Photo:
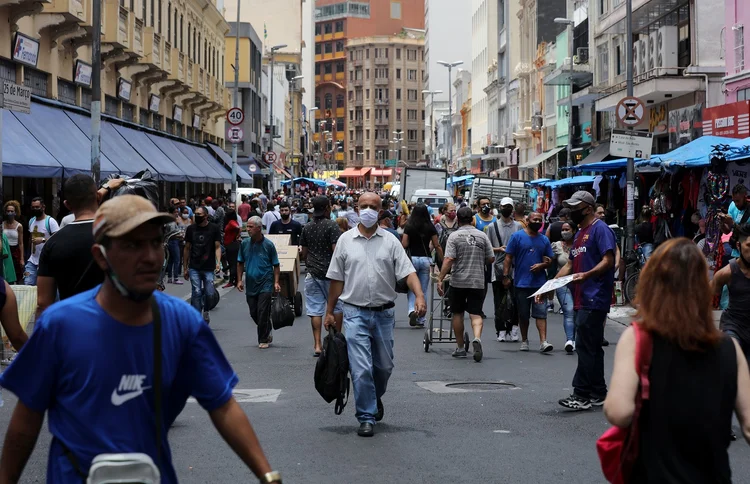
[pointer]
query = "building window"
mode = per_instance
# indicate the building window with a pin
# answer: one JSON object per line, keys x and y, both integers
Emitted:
{"x": 157, "y": 121}
{"x": 339, "y": 26}
{"x": 412, "y": 155}
{"x": 398, "y": 54}
{"x": 739, "y": 48}
{"x": 398, "y": 94}
{"x": 396, "y": 10}
{"x": 66, "y": 91}
{"x": 411, "y": 54}
{"x": 500, "y": 15}
{"x": 340, "y": 124}
{"x": 328, "y": 28}
{"x": 340, "y": 66}
{"x": 36, "y": 81}
{"x": 603, "y": 4}
{"x": 411, "y": 114}
{"x": 412, "y": 94}
{"x": 398, "y": 115}
{"x": 412, "y": 134}
{"x": 127, "y": 111}
{"x": 317, "y": 29}
{"x": 328, "y": 68}
{"x": 743, "y": 94}
{"x": 411, "y": 74}
{"x": 340, "y": 46}
{"x": 398, "y": 74}
{"x": 317, "y": 68}
{"x": 367, "y": 94}
{"x": 151, "y": 19}
{"x": 367, "y": 74}
{"x": 110, "y": 105}
{"x": 86, "y": 98}
{"x": 329, "y": 101}
{"x": 367, "y": 53}
{"x": 318, "y": 49}
{"x": 329, "y": 47}
{"x": 317, "y": 102}
{"x": 340, "y": 100}
{"x": 159, "y": 17}
{"x": 602, "y": 54}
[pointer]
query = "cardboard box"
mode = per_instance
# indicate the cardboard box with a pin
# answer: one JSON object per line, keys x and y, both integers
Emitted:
{"x": 289, "y": 277}
{"x": 280, "y": 240}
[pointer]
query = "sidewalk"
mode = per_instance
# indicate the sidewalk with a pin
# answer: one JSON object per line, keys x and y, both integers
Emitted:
{"x": 624, "y": 315}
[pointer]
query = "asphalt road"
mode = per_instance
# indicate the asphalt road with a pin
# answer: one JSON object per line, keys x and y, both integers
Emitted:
{"x": 430, "y": 434}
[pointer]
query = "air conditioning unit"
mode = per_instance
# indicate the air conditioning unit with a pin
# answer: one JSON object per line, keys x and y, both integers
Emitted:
{"x": 642, "y": 56}
{"x": 582, "y": 56}
{"x": 536, "y": 122}
{"x": 651, "y": 53}
{"x": 636, "y": 59}
{"x": 666, "y": 40}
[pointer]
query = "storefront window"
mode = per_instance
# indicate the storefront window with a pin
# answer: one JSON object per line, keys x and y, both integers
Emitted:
{"x": 36, "y": 81}
{"x": 110, "y": 106}
{"x": 127, "y": 111}
{"x": 66, "y": 91}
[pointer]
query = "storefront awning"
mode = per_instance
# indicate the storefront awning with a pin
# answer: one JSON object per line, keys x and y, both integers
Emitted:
{"x": 694, "y": 154}
{"x": 215, "y": 172}
{"x": 193, "y": 172}
{"x": 382, "y": 173}
{"x": 541, "y": 158}
{"x": 162, "y": 165}
{"x": 572, "y": 181}
{"x": 23, "y": 155}
{"x": 350, "y": 173}
{"x": 539, "y": 181}
{"x": 113, "y": 146}
{"x": 63, "y": 139}
{"x": 597, "y": 154}
{"x": 226, "y": 162}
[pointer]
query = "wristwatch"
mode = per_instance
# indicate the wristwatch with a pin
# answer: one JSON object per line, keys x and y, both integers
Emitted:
{"x": 271, "y": 477}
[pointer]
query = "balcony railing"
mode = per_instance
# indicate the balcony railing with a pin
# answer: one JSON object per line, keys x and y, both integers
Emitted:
{"x": 138, "y": 37}
{"x": 381, "y": 102}
{"x": 190, "y": 73}
{"x": 181, "y": 67}
{"x": 381, "y": 81}
{"x": 168, "y": 57}
{"x": 381, "y": 61}
{"x": 381, "y": 121}
{"x": 117, "y": 25}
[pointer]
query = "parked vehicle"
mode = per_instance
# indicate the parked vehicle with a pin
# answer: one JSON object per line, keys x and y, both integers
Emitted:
{"x": 432, "y": 198}
{"x": 498, "y": 188}
{"x": 413, "y": 179}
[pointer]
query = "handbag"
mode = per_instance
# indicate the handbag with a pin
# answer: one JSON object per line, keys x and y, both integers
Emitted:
{"x": 618, "y": 447}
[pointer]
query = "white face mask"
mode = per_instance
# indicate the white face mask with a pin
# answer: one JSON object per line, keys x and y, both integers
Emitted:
{"x": 186, "y": 216}
{"x": 368, "y": 217}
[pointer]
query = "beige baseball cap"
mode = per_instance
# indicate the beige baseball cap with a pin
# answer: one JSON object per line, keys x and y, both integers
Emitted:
{"x": 121, "y": 215}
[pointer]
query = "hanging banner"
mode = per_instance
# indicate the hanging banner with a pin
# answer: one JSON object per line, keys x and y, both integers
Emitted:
{"x": 731, "y": 120}
{"x": 685, "y": 125}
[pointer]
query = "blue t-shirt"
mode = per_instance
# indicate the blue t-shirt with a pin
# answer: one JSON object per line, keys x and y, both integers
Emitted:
{"x": 481, "y": 224}
{"x": 589, "y": 248}
{"x": 94, "y": 376}
{"x": 736, "y": 215}
{"x": 259, "y": 259}
{"x": 527, "y": 251}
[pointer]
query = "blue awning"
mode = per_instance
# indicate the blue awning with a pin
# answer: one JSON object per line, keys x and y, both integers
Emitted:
{"x": 113, "y": 146}
{"x": 691, "y": 155}
{"x": 164, "y": 168}
{"x": 227, "y": 161}
{"x": 460, "y": 179}
{"x": 739, "y": 149}
{"x": 23, "y": 155}
{"x": 618, "y": 164}
{"x": 320, "y": 183}
{"x": 572, "y": 181}
{"x": 63, "y": 139}
{"x": 194, "y": 172}
{"x": 539, "y": 181}
{"x": 216, "y": 173}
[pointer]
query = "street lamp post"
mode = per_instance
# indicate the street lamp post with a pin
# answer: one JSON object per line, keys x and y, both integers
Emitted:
{"x": 432, "y": 122}
{"x": 236, "y": 97}
{"x": 569, "y": 24}
{"x": 292, "y": 90}
{"x": 311, "y": 115}
{"x": 272, "y": 135}
{"x": 450, "y": 66}
{"x": 630, "y": 174}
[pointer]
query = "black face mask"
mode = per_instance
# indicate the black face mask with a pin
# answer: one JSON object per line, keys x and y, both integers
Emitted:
{"x": 535, "y": 226}
{"x": 36, "y": 212}
{"x": 285, "y": 216}
{"x": 506, "y": 212}
{"x": 577, "y": 217}
{"x": 199, "y": 219}
{"x": 485, "y": 209}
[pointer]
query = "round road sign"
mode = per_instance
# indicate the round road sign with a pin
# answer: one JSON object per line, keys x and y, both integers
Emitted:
{"x": 271, "y": 156}
{"x": 235, "y": 134}
{"x": 252, "y": 168}
{"x": 630, "y": 111}
{"x": 235, "y": 116}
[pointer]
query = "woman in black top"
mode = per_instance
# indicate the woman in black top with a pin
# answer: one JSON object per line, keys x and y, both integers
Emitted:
{"x": 419, "y": 233}
{"x": 698, "y": 377}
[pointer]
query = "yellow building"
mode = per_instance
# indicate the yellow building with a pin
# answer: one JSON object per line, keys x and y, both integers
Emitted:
{"x": 162, "y": 68}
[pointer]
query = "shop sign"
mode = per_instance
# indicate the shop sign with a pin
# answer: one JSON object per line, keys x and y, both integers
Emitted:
{"x": 25, "y": 50}
{"x": 177, "y": 113}
{"x": 123, "y": 89}
{"x": 586, "y": 132}
{"x": 729, "y": 120}
{"x": 630, "y": 144}
{"x": 82, "y": 74}
{"x": 153, "y": 103}
{"x": 657, "y": 119}
{"x": 685, "y": 125}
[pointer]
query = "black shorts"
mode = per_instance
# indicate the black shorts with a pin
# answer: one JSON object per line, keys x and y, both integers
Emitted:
{"x": 466, "y": 300}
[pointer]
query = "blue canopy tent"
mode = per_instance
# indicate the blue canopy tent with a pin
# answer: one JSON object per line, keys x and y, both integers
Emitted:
{"x": 572, "y": 181}
{"x": 465, "y": 179}
{"x": 320, "y": 183}
{"x": 602, "y": 166}
{"x": 539, "y": 181}
{"x": 739, "y": 149}
{"x": 691, "y": 155}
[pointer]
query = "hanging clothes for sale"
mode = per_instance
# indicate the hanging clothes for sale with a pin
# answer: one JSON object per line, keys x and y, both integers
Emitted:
{"x": 717, "y": 197}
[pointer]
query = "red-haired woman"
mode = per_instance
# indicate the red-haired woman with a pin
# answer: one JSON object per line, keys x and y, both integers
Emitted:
{"x": 698, "y": 376}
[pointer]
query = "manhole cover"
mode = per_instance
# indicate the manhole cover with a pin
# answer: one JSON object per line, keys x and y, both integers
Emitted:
{"x": 482, "y": 386}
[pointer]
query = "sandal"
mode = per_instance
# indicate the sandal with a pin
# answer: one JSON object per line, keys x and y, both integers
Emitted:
{"x": 263, "y": 346}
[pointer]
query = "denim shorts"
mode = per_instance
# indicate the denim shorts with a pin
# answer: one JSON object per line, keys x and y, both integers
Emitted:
{"x": 528, "y": 308}
{"x": 316, "y": 297}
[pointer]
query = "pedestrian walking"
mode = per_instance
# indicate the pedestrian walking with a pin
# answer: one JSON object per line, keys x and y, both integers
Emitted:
{"x": 318, "y": 243}
{"x": 13, "y": 230}
{"x": 231, "y": 244}
{"x": 364, "y": 269}
{"x": 244, "y": 209}
{"x": 286, "y": 225}
{"x": 270, "y": 216}
{"x": 506, "y": 310}
{"x": 419, "y": 234}
{"x": 520, "y": 213}
{"x": 529, "y": 253}
{"x": 41, "y": 228}
{"x": 259, "y": 262}
{"x": 467, "y": 254}
{"x": 89, "y": 363}
{"x": 591, "y": 262}
{"x": 202, "y": 256}
{"x": 562, "y": 249}
{"x": 696, "y": 377}
{"x": 385, "y": 221}
{"x": 484, "y": 216}
{"x": 174, "y": 264}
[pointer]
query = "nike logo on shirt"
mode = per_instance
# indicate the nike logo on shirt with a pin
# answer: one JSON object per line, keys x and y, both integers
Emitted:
{"x": 131, "y": 386}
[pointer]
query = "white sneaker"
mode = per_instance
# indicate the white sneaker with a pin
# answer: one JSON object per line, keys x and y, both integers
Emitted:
{"x": 515, "y": 334}
{"x": 501, "y": 337}
{"x": 524, "y": 346}
{"x": 545, "y": 347}
{"x": 569, "y": 347}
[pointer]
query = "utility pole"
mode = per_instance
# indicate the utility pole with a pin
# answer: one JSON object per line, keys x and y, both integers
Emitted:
{"x": 630, "y": 233}
{"x": 96, "y": 90}
{"x": 236, "y": 101}
{"x": 272, "y": 135}
{"x": 432, "y": 124}
{"x": 450, "y": 66}
{"x": 292, "y": 90}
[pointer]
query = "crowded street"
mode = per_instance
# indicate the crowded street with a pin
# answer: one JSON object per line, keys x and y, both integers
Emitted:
{"x": 430, "y": 433}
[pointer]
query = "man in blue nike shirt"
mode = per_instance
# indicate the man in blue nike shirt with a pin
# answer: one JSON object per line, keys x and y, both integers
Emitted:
{"x": 89, "y": 363}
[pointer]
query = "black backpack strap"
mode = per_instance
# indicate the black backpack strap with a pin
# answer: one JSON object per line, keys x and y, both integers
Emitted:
{"x": 497, "y": 232}
{"x": 340, "y": 402}
{"x": 157, "y": 377}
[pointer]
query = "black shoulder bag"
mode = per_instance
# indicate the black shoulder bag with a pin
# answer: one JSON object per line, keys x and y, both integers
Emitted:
{"x": 157, "y": 397}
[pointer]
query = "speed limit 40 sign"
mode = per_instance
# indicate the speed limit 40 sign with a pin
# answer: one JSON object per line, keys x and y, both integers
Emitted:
{"x": 235, "y": 116}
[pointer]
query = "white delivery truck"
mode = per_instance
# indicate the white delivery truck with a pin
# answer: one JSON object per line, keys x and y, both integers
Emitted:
{"x": 432, "y": 198}
{"x": 413, "y": 179}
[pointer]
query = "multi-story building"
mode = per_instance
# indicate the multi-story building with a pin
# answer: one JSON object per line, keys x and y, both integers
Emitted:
{"x": 461, "y": 128}
{"x": 384, "y": 98}
{"x": 675, "y": 75}
{"x": 483, "y": 56}
{"x": 337, "y": 22}
{"x": 441, "y": 16}
{"x": 162, "y": 74}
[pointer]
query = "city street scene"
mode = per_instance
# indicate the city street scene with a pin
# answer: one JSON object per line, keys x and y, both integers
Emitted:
{"x": 374, "y": 241}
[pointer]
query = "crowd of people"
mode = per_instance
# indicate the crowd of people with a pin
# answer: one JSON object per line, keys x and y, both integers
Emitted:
{"x": 360, "y": 250}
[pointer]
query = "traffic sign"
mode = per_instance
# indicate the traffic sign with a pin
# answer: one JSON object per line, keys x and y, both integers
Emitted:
{"x": 310, "y": 164}
{"x": 271, "y": 156}
{"x": 235, "y": 134}
{"x": 252, "y": 168}
{"x": 15, "y": 98}
{"x": 393, "y": 162}
{"x": 235, "y": 116}
{"x": 630, "y": 111}
{"x": 630, "y": 144}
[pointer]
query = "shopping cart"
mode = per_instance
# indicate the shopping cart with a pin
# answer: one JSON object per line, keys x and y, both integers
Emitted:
{"x": 440, "y": 315}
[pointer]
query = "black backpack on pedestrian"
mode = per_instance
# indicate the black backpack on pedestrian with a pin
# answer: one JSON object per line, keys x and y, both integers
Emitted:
{"x": 332, "y": 371}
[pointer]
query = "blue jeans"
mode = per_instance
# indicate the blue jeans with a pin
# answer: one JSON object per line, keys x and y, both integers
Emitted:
{"x": 647, "y": 249}
{"x": 29, "y": 276}
{"x": 202, "y": 283}
{"x": 173, "y": 266}
{"x": 565, "y": 296}
{"x": 422, "y": 266}
{"x": 369, "y": 341}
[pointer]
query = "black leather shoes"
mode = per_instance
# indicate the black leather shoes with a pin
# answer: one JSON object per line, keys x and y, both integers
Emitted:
{"x": 366, "y": 429}
{"x": 381, "y": 411}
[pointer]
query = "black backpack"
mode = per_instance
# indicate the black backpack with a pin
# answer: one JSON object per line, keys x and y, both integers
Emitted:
{"x": 332, "y": 371}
